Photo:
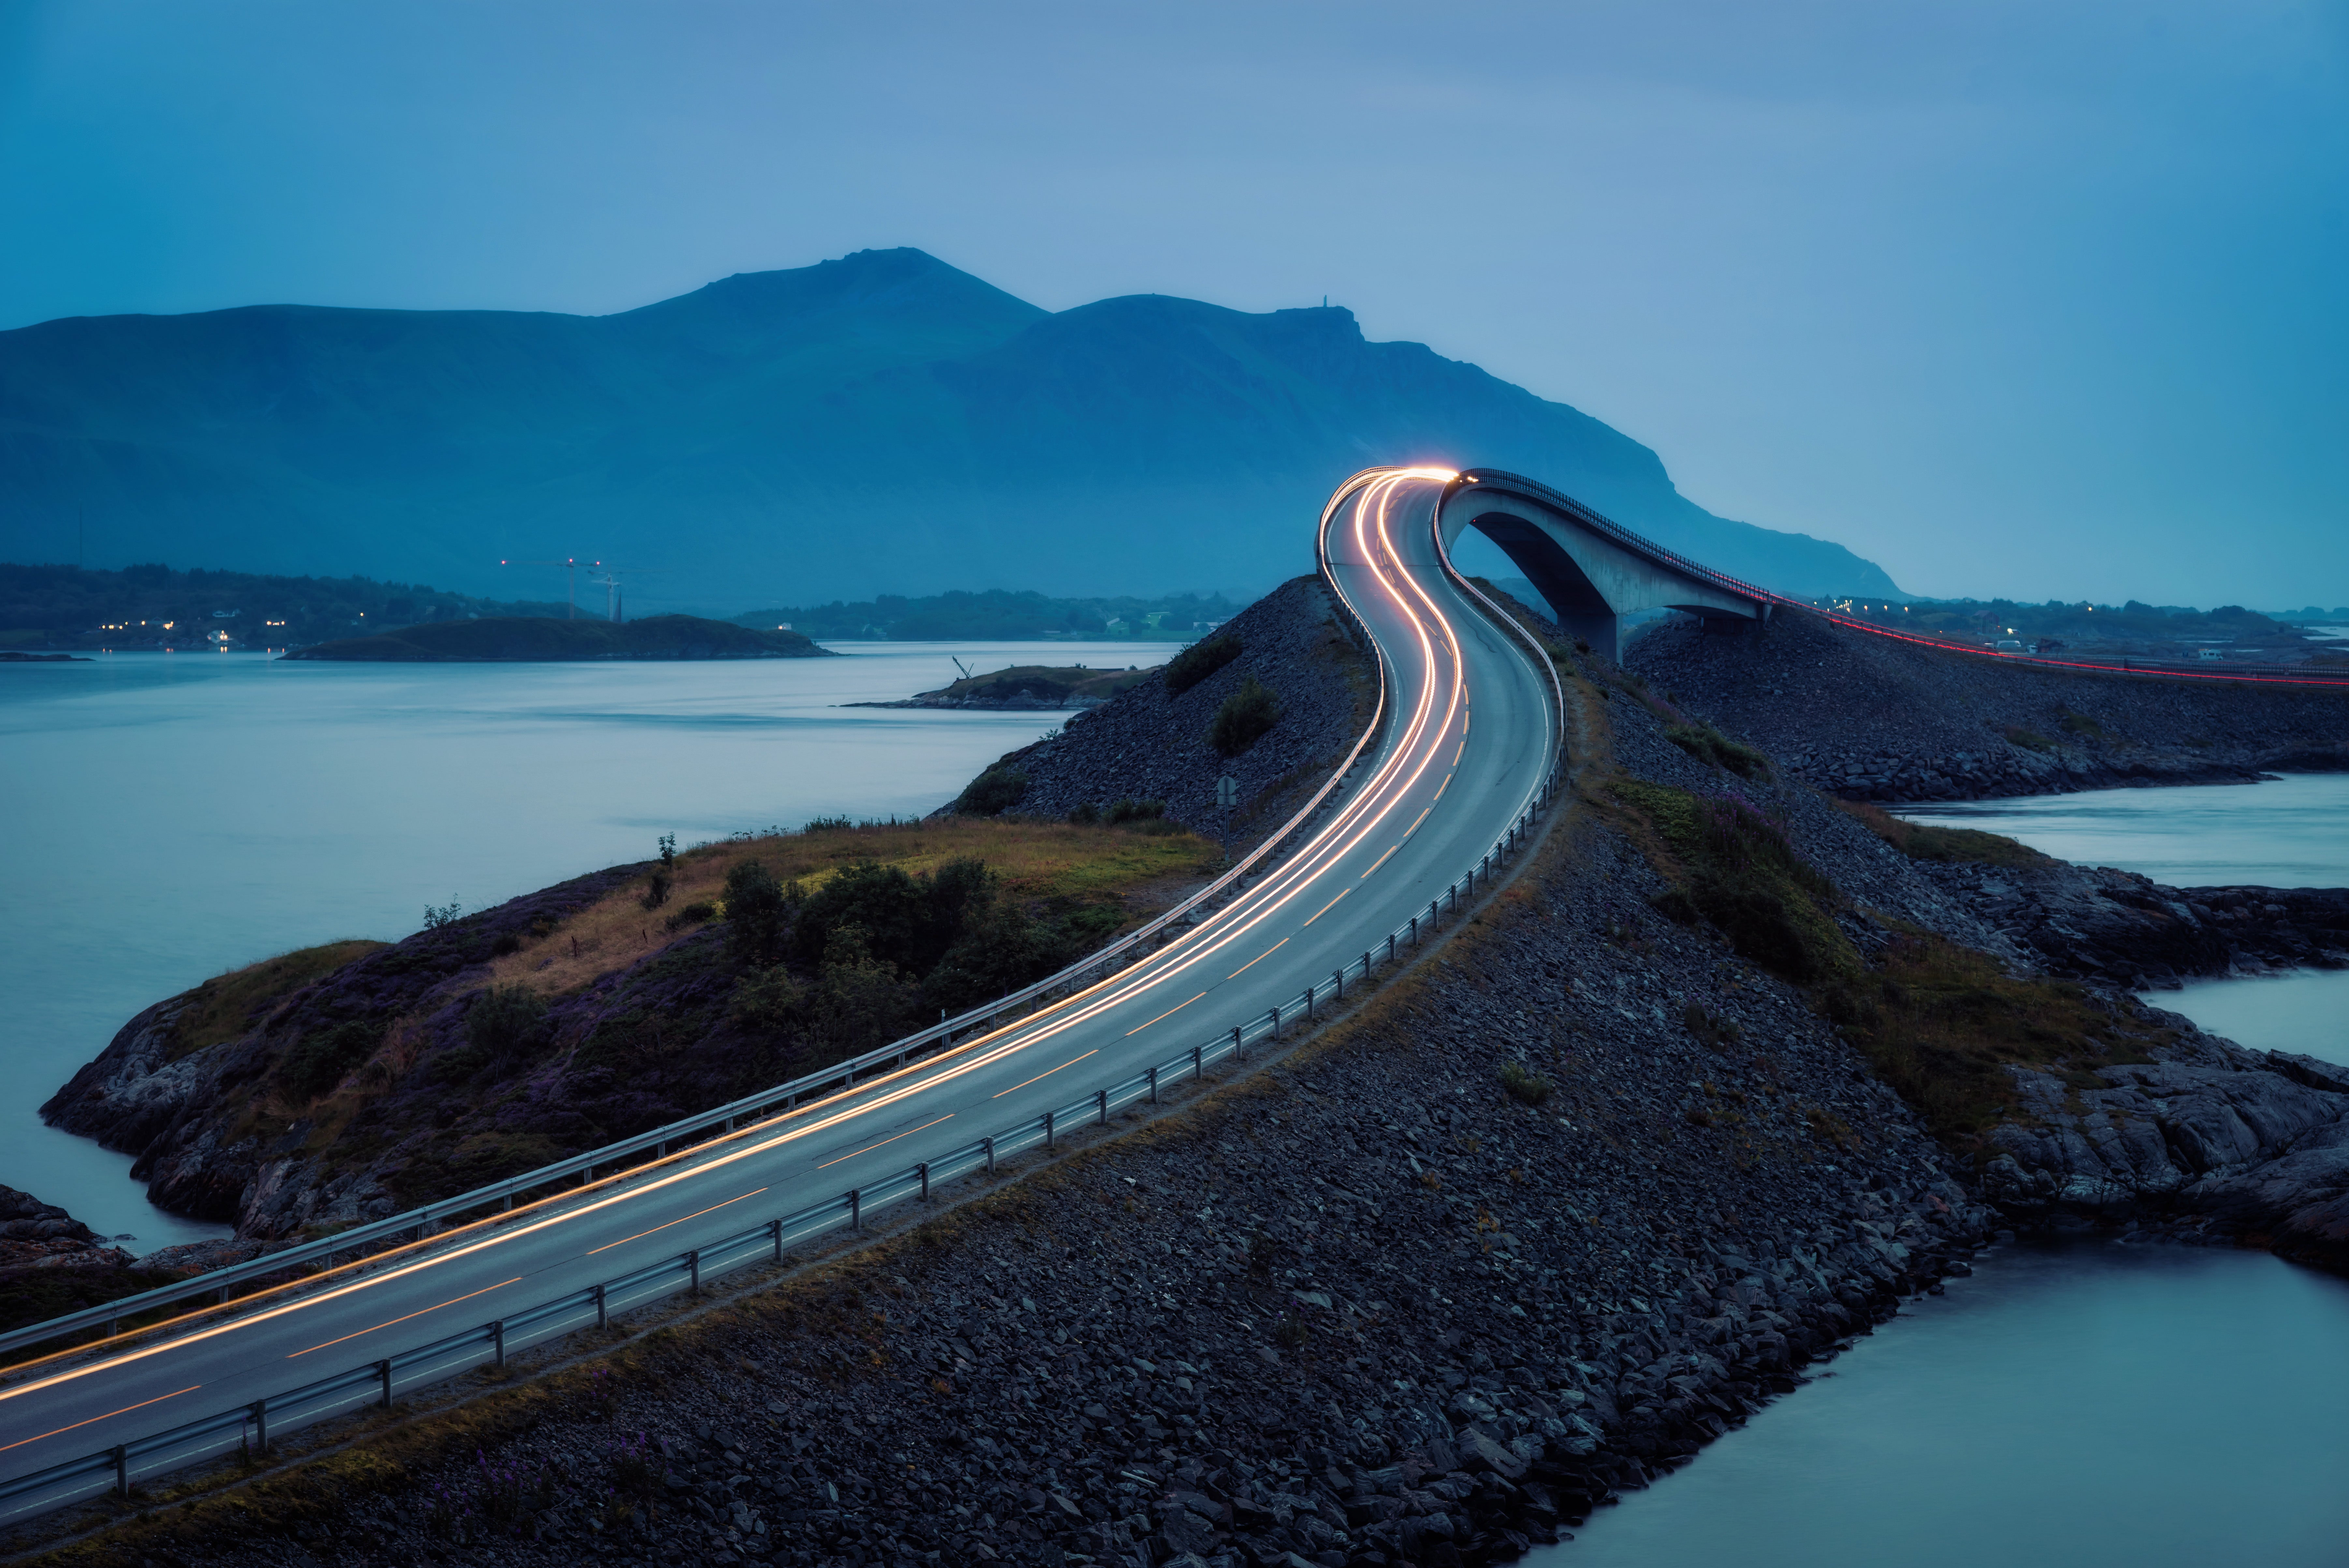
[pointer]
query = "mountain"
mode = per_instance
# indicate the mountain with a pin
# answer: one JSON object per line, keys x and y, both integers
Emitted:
{"x": 879, "y": 423}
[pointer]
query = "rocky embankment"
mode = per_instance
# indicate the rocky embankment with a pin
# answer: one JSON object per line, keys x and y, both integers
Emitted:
{"x": 1025, "y": 688}
{"x": 1151, "y": 743}
{"x": 37, "y": 1235}
{"x": 1873, "y": 718}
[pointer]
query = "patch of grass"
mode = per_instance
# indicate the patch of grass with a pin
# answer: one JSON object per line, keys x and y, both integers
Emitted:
{"x": 1941, "y": 1022}
{"x": 1709, "y": 747}
{"x": 222, "y": 1008}
{"x": 1708, "y": 1029}
{"x": 2082, "y": 725}
{"x": 1735, "y": 867}
{"x": 1200, "y": 660}
{"x": 2029, "y": 740}
{"x": 1523, "y": 1084}
{"x": 1924, "y": 842}
{"x": 1244, "y": 718}
{"x": 319, "y": 1061}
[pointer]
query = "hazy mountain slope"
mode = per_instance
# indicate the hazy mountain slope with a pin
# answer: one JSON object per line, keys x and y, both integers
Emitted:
{"x": 880, "y": 423}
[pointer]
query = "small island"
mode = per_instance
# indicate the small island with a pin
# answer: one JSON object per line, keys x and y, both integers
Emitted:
{"x": 520, "y": 639}
{"x": 1027, "y": 686}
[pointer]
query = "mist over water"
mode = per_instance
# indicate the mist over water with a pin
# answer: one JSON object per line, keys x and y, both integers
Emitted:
{"x": 179, "y": 815}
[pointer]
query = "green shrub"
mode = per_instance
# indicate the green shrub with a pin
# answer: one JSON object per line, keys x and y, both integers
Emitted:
{"x": 1523, "y": 1084}
{"x": 768, "y": 1002}
{"x": 2081, "y": 723}
{"x": 1200, "y": 660}
{"x": 755, "y": 914}
{"x": 318, "y": 1062}
{"x": 993, "y": 793}
{"x": 1709, "y": 747}
{"x": 501, "y": 1020}
{"x": 695, "y": 914}
{"x": 1130, "y": 809}
{"x": 2030, "y": 739}
{"x": 1244, "y": 718}
{"x": 1085, "y": 815}
{"x": 1709, "y": 1029}
{"x": 656, "y": 889}
{"x": 1922, "y": 842}
{"x": 1739, "y": 873}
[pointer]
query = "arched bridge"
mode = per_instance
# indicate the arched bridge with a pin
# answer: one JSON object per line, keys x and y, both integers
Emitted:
{"x": 1592, "y": 572}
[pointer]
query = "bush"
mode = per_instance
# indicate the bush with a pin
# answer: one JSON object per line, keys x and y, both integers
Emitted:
{"x": 993, "y": 793}
{"x": 318, "y": 1062}
{"x": 1739, "y": 873}
{"x": 694, "y": 913}
{"x": 2030, "y": 739}
{"x": 1133, "y": 810}
{"x": 501, "y": 1020}
{"x": 767, "y": 1002}
{"x": 1524, "y": 1085}
{"x": 1710, "y": 1030}
{"x": 1244, "y": 718}
{"x": 1200, "y": 660}
{"x": 1709, "y": 746}
{"x": 755, "y": 914}
{"x": 1085, "y": 815}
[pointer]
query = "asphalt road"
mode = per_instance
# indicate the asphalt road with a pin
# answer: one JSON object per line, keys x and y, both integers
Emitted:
{"x": 1468, "y": 741}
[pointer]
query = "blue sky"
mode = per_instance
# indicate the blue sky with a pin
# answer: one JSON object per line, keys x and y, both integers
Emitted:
{"x": 2044, "y": 300}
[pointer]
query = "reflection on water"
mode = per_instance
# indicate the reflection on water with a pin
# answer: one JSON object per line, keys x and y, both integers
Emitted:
{"x": 177, "y": 815}
{"x": 2291, "y": 831}
{"x": 2094, "y": 1406}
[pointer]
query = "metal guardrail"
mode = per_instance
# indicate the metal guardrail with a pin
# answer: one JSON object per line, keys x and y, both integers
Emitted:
{"x": 417, "y": 1223}
{"x": 376, "y": 1382}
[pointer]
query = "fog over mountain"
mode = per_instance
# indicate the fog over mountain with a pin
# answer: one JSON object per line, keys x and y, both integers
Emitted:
{"x": 879, "y": 423}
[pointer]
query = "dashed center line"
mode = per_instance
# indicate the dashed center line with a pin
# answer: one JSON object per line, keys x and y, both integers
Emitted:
{"x": 1048, "y": 1072}
{"x": 126, "y": 1410}
{"x": 884, "y": 1142}
{"x": 1327, "y": 907}
{"x": 404, "y": 1316}
{"x": 1258, "y": 959}
{"x": 680, "y": 1220}
{"x": 1166, "y": 1014}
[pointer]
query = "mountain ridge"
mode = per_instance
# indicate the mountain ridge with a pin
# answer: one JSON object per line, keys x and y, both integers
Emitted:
{"x": 756, "y": 436}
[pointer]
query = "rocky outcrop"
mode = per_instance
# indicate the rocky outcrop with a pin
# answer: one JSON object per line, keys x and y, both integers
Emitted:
{"x": 37, "y": 1235}
{"x": 2129, "y": 931}
{"x": 1873, "y": 718}
{"x": 2209, "y": 1142}
{"x": 1151, "y": 743}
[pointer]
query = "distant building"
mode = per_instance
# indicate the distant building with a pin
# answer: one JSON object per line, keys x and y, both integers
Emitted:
{"x": 2210, "y": 653}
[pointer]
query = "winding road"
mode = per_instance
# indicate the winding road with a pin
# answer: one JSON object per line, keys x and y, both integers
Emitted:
{"x": 1468, "y": 736}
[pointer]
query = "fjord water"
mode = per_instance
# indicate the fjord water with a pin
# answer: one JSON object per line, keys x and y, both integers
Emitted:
{"x": 177, "y": 815}
{"x": 2291, "y": 831}
{"x": 2093, "y": 1404}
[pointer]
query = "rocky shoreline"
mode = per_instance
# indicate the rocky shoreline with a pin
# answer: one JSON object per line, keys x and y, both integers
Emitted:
{"x": 1941, "y": 726}
{"x": 1572, "y": 1197}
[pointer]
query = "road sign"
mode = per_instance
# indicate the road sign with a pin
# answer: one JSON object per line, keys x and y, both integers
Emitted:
{"x": 1227, "y": 791}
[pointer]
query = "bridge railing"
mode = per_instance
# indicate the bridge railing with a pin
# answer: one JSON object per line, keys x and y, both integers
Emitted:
{"x": 248, "y": 1429}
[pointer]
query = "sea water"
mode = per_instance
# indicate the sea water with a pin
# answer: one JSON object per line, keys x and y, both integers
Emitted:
{"x": 2091, "y": 1405}
{"x": 2291, "y": 831}
{"x": 174, "y": 815}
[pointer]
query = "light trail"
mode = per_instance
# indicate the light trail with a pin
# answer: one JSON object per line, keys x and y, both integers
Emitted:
{"x": 419, "y": 1312}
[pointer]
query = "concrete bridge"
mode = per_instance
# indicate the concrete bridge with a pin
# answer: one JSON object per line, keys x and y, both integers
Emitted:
{"x": 1592, "y": 572}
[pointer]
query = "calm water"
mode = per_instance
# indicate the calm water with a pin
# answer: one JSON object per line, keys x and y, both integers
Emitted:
{"x": 2287, "y": 833}
{"x": 177, "y": 815}
{"x": 2095, "y": 1406}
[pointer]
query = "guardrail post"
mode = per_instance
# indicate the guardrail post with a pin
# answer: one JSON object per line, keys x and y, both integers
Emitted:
{"x": 1048, "y": 1130}
{"x": 1414, "y": 932}
{"x": 1153, "y": 1086}
{"x": 660, "y": 1150}
{"x": 261, "y": 1428}
{"x": 693, "y": 1272}
{"x": 990, "y": 1154}
{"x": 1337, "y": 981}
{"x": 1276, "y": 1025}
{"x": 603, "y": 1312}
{"x": 497, "y": 1345}
{"x": 507, "y": 1205}
{"x": 1100, "y": 1098}
{"x": 1310, "y": 1003}
{"x": 925, "y": 1168}
{"x": 1239, "y": 1045}
{"x": 1390, "y": 951}
{"x": 383, "y": 1376}
{"x": 121, "y": 1471}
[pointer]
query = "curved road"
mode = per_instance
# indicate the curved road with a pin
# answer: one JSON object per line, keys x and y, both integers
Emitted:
{"x": 1470, "y": 735}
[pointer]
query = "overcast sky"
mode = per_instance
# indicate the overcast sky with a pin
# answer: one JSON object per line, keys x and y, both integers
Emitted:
{"x": 2038, "y": 299}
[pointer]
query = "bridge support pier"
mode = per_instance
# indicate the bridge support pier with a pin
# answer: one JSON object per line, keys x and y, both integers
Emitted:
{"x": 1604, "y": 634}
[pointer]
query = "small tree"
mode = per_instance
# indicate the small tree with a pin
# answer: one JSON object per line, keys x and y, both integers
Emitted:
{"x": 756, "y": 913}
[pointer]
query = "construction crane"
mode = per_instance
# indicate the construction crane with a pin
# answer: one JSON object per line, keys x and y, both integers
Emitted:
{"x": 611, "y": 582}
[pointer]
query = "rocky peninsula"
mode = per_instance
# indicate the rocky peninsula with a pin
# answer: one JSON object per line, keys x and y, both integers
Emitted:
{"x": 1725, "y": 1071}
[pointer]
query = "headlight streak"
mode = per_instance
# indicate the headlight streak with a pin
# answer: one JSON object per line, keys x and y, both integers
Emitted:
{"x": 1408, "y": 761}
